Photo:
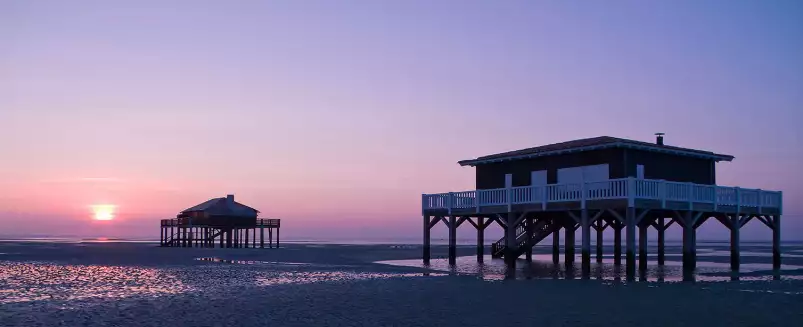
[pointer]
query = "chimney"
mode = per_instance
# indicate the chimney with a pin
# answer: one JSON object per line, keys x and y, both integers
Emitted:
{"x": 230, "y": 198}
{"x": 659, "y": 138}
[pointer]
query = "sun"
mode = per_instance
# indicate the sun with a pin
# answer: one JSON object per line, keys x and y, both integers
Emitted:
{"x": 103, "y": 211}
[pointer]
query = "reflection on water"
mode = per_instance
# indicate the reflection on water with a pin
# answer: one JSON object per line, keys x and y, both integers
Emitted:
{"x": 250, "y": 262}
{"x": 542, "y": 268}
{"x": 332, "y": 276}
{"x": 59, "y": 283}
{"x": 21, "y": 282}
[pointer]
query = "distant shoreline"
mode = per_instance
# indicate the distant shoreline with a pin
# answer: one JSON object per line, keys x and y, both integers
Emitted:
{"x": 469, "y": 242}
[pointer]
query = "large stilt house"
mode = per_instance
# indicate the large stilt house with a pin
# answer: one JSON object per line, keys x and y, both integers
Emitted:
{"x": 598, "y": 183}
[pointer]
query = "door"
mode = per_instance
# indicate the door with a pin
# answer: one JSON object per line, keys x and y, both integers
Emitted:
{"x": 508, "y": 180}
{"x": 640, "y": 171}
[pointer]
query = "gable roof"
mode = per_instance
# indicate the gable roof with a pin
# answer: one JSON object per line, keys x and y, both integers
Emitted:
{"x": 223, "y": 207}
{"x": 589, "y": 144}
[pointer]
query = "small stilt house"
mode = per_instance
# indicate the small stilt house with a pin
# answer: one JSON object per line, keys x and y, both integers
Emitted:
{"x": 224, "y": 219}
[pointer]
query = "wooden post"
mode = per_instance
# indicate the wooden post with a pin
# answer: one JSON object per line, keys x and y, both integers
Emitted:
{"x": 735, "y": 226}
{"x": 600, "y": 229}
{"x": 530, "y": 229}
{"x": 270, "y": 237}
{"x": 510, "y": 240}
{"x": 452, "y": 240}
{"x": 254, "y": 237}
{"x": 688, "y": 242}
{"x": 556, "y": 243}
{"x": 630, "y": 234}
{"x": 776, "y": 241}
{"x": 261, "y": 236}
{"x": 642, "y": 246}
{"x": 161, "y": 235}
{"x": 617, "y": 242}
{"x": 661, "y": 240}
{"x": 246, "y": 238}
{"x": 568, "y": 244}
{"x": 277, "y": 237}
{"x": 480, "y": 239}
{"x": 585, "y": 224}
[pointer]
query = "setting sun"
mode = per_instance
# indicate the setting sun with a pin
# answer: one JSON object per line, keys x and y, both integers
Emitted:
{"x": 103, "y": 211}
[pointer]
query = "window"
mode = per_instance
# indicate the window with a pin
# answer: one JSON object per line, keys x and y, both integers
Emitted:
{"x": 538, "y": 177}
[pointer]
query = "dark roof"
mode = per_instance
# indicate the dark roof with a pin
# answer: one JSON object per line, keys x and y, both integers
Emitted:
{"x": 594, "y": 143}
{"x": 223, "y": 207}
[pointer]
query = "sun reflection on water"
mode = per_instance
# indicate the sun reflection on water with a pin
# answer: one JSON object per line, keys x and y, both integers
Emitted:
{"x": 23, "y": 282}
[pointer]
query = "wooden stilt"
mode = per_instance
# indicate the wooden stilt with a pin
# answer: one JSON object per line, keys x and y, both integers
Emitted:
{"x": 480, "y": 239}
{"x": 261, "y": 237}
{"x": 642, "y": 246}
{"x": 776, "y": 241}
{"x": 735, "y": 227}
{"x": 246, "y": 238}
{"x": 600, "y": 229}
{"x": 277, "y": 238}
{"x": 688, "y": 241}
{"x": 617, "y": 242}
{"x": 568, "y": 245}
{"x": 510, "y": 241}
{"x": 661, "y": 240}
{"x": 630, "y": 256}
{"x": 528, "y": 252}
{"x": 452, "y": 240}
{"x": 585, "y": 225}
{"x": 556, "y": 244}
{"x": 270, "y": 238}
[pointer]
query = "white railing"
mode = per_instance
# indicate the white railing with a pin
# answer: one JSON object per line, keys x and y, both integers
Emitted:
{"x": 492, "y": 197}
{"x": 624, "y": 188}
{"x": 610, "y": 189}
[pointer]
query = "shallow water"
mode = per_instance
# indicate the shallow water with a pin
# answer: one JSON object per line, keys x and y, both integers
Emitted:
{"x": 62, "y": 283}
{"x": 542, "y": 267}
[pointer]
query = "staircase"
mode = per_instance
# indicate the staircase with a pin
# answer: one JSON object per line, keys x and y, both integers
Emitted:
{"x": 541, "y": 230}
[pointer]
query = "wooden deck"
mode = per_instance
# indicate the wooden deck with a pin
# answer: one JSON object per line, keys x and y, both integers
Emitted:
{"x": 529, "y": 214}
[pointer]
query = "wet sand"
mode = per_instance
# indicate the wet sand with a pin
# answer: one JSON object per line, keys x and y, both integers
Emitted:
{"x": 117, "y": 284}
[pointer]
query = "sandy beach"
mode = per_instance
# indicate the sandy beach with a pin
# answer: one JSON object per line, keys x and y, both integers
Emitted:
{"x": 131, "y": 284}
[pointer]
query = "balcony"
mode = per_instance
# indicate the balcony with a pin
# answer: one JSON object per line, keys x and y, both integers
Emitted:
{"x": 625, "y": 192}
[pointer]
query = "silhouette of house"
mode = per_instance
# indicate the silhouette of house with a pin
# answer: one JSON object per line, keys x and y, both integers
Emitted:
{"x": 229, "y": 222}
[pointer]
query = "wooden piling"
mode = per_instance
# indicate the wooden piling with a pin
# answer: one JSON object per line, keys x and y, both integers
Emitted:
{"x": 480, "y": 239}
{"x": 617, "y": 242}
{"x": 776, "y": 241}
{"x": 568, "y": 244}
{"x": 734, "y": 228}
{"x": 452, "y": 240}
{"x": 661, "y": 240}
{"x": 630, "y": 234}
{"x": 246, "y": 238}
{"x": 585, "y": 225}
{"x": 556, "y": 244}
{"x": 642, "y": 246}
{"x": 600, "y": 229}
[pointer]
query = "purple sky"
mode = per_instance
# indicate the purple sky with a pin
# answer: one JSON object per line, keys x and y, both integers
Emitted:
{"x": 334, "y": 112}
